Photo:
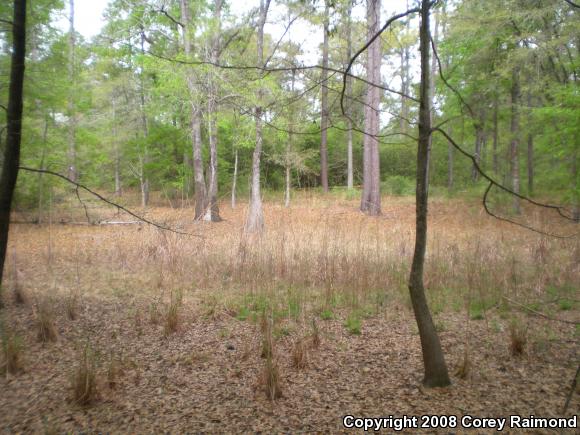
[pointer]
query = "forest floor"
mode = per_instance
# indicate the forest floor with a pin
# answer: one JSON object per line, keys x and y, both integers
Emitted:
{"x": 321, "y": 270}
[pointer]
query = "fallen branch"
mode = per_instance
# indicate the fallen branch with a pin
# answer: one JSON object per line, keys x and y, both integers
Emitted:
{"x": 102, "y": 198}
{"x": 537, "y": 313}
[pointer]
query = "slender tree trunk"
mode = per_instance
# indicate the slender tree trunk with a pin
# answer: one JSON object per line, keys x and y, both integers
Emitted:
{"x": 450, "y": 151}
{"x": 289, "y": 143}
{"x": 371, "y": 196}
{"x": 212, "y": 212}
{"x": 479, "y": 140}
{"x": 495, "y": 137}
{"x": 432, "y": 76}
{"x": 116, "y": 151}
{"x": 515, "y": 141}
{"x": 42, "y": 160}
{"x": 255, "y": 222}
{"x": 349, "y": 160}
{"x": 436, "y": 374}
{"x": 530, "y": 153}
{"x": 324, "y": 103}
{"x": 11, "y": 159}
{"x": 144, "y": 157}
{"x": 72, "y": 152}
{"x": 405, "y": 79}
{"x": 235, "y": 180}
{"x": 575, "y": 180}
{"x": 198, "y": 174}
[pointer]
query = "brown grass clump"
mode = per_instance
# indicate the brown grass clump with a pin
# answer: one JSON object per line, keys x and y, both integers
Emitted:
{"x": 71, "y": 305}
{"x": 464, "y": 367}
{"x": 518, "y": 338}
{"x": 270, "y": 380}
{"x": 12, "y": 354}
{"x": 172, "y": 314}
{"x": 299, "y": 355}
{"x": 114, "y": 371}
{"x": 84, "y": 378}
{"x": 315, "y": 337}
{"x": 45, "y": 322}
{"x": 267, "y": 339}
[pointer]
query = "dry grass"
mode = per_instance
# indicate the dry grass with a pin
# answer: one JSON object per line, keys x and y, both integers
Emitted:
{"x": 518, "y": 337}
{"x": 172, "y": 313}
{"x": 72, "y": 305}
{"x": 46, "y": 329}
{"x": 299, "y": 354}
{"x": 84, "y": 378}
{"x": 320, "y": 259}
{"x": 12, "y": 347}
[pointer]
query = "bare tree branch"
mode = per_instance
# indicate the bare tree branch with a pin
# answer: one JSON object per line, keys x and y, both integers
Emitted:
{"x": 361, "y": 50}
{"x": 559, "y": 209}
{"x": 102, "y": 198}
{"x": 571, "y": 3}
{"x": 164, "y": 12}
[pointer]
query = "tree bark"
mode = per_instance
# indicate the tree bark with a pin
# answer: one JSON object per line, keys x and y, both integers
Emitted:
{"x": 117, "y": 155}
{"x": 515, "y": 141}
{"x": 289, "y": 143}
{"x": 371, "y": 195}
{"x": 530, "y": 154}
{"x": 144, "y": 156}
{"x": 212, "y": 212}
{"x": 349, "y": 160}
{"x": 495, "y": 137}
{"x": 235, "y": 180}
{"x": 72, "y": 122}
{"x": 14, "y": 126}
{"x": 324, "y": 103}
{"x": 450, "y": 151}
{"x": 198, "y": 174}
{"x": 255, "y": 221}
{"x": 436, "y": 374}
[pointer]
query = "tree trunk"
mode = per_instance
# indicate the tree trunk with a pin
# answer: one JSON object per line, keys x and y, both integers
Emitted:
{"x": 495, "y": 137}
{"x": 235, "y": 180}
{"x": 405, "y": 79}
{"x": 450, "y": 151}
{"x": 515, "y": 141}
{"x": 14, "y": 126}
{"x": 42, "y": 163}
{"x": 530, "y": 153}
{"x": 198, "y": 175}
{"x": 255, "y": 221}
{"x": 212, "y": 212}
{"x": 288, "y": 159}
{"x": 371, "y": 196}
{"x": 349, "y": 161}
{"x": 72, "y": 152}
{"x": 436, "y": 374}
{"x": 117, "y": 156}
{"x": 324, "y": 103}
{"x": 144, "y": 157}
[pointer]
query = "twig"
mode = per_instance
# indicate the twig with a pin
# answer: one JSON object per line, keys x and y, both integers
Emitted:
{"x": 571, "y": 3}
{"x": 572, "y": 389}
{"x": 361, "y": 50}
{"x": 537, "y": 313}
{"x": 102, "y": 198}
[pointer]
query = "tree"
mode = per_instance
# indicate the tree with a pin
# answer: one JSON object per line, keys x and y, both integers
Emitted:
{"x": 371, "y": 194}
{"x": 212, "y": 212}
{"x": 11, "y": 160}
{"x": 324, "y": 125}
{"x": 436, "y": 374}
{"x": 195, "y": 122}
{"x": 255, "y": 221}
{"x": 72, "y": 151}
{"x": 348, "y": 25}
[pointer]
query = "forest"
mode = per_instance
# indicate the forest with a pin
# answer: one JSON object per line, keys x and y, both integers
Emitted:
{"x": 289, "y": 216}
